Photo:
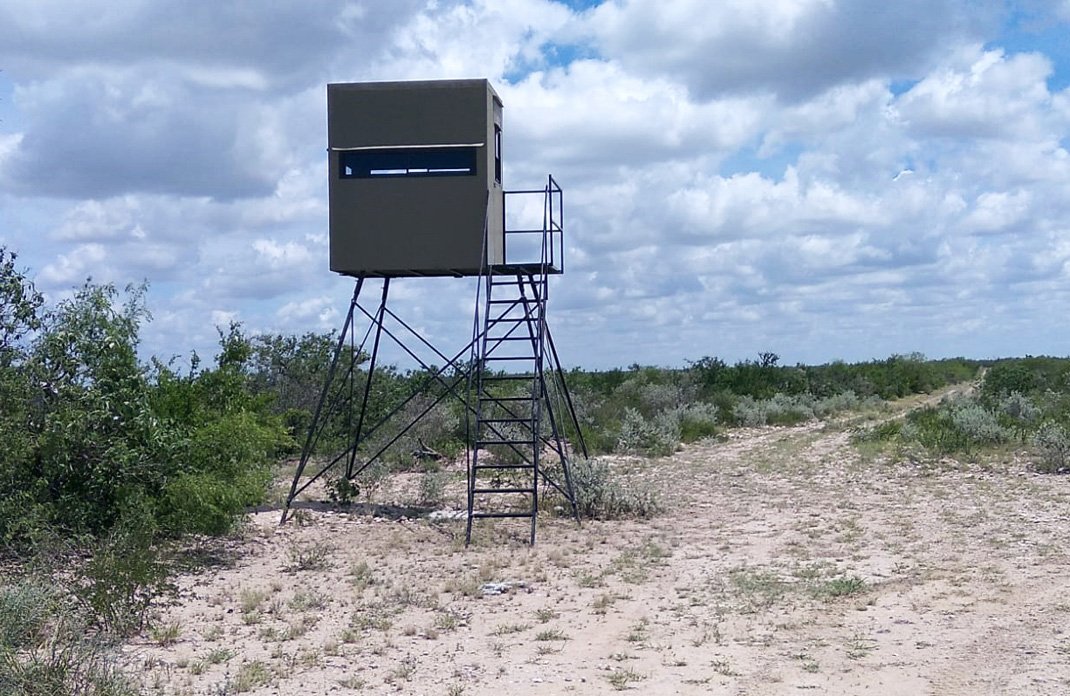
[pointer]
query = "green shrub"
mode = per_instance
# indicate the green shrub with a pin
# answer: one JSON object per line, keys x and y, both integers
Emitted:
{"x": 654, "y": 437}
{"x": 934, "y": 429}
{"x": 600, "y": 495}
{"x": 47, "y": 647}
{"x": 208, "y": 502}
{"x": 1019, "y": 408}
{"x": 784, "y": 409}
{"x": 781, "y": 409}
{"x": 749, "y": 412}
{"x": 838, "y": 403}
{"x": 963, "y": 425}
{"x": 124, "y": 573}
{"x": 1053, "y": 444}
{"x": 696, "y": 421}
{"x": 979, "y": 425}
{"x": 1006, "y": 378}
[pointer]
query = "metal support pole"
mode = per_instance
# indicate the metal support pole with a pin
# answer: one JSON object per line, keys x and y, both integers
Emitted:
{"x": 368, "y": 381}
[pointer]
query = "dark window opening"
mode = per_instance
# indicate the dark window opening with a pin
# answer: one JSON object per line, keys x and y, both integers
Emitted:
{"x": 409, "y": 161}
{"x": 497, "y": 154}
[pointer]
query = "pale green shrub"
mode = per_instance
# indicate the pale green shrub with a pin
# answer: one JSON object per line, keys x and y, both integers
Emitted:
{"x": 658, "y": 436}
{"x": 1053, "y": 444}
{"x": 601, "y": 495}
{"x": 1019, "y": 407}
{"x": 49, "y": 648}
{"x": 696, "y": 420}
{"x": 750, "y": 412}
{"x": 977, "y": 423}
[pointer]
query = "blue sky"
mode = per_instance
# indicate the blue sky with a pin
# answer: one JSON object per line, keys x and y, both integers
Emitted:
{"x": 824, "y": 179}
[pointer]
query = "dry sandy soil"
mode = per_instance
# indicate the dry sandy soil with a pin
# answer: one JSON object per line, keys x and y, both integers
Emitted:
{"x": 785, "y": 562}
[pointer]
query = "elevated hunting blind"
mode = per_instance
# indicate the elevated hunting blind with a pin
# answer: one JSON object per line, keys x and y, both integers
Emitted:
{"x": 416, "y": 190}
{"x": 415, "y": 177}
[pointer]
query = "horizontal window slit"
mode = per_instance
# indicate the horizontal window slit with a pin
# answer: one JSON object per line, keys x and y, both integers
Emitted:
{"x": 401, "y": 162}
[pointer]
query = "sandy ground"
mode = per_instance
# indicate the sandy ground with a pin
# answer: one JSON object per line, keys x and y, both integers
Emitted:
{"x": 785, "y": 563}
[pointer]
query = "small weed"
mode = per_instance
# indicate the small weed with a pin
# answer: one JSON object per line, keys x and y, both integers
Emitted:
{"x": 250, "y": 676}
{"x": 447, "y": 621}
{"x": 638, "y": 632}
{"x": 550, "y": 634}
{"x": 166, "y": 634}
{"x": 840, "y": 587}
{"x": 859, "y": 646}
{"x": 218, "y": 656}
{"x": 807, "y": 663}
{"x": 761, "y": 589}
{"x": 507, "y": 629}
{"x": 250, "y": 600}
{"x": 361, "y": 575}
{"x": 603, "y": 602}
{"x": 405, "y": 671}
{"x": 588, "y": 579}
{"x": 724, "y": 668}
{"x": 306, "y": 600}
{"x": 306, "y": 557}
{"x": 545, "y": 615}
{"x": 464, "y": 585}
{"x": 705, "y": 635}
{"x": 621, "y": 678}
{"x": 298, "y": 628}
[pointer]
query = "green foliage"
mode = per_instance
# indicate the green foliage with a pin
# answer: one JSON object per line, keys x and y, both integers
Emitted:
{"x": 1053, "y": 445}
{"x": 1024, "y": 401}
{"x": 19, "y": 307}
{"x": 657, "y": 436}
{"x": 601, "y": 495}
{"x": 1005, "y": 378}
{"x": 92, "y": 434}
{"x": 894, "y": 377}
{"x": 123, "y": 573}
{"x": 697, "y": 421}
{"x": 47, "y": 647}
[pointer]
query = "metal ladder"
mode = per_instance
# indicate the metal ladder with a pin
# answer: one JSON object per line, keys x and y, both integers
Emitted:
{"x": 505, "y": 468}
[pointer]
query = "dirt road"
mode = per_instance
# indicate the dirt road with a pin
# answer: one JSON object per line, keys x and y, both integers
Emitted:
{"x": 785, "y": 562}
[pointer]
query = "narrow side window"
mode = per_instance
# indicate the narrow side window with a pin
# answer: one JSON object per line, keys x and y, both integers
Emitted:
{"x": 425, "y": 161}
{"x": 497, "y": 154}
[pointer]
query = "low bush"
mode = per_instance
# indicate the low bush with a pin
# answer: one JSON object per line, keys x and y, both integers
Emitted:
{"x": 697, "y": 421}
{"x": 657, "y": 436}
{"x": 601, "y": 495}
{"x": 979, "y": 425}
{"x": 780, "y": 409}
{"x": 1019, "y": 408}
{"x": 1053, "y": 445}
{"x": 48, "y": 647}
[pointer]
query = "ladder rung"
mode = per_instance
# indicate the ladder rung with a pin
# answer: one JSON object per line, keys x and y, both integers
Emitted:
{"x": 508, "y": 420}
{"x": 508, "y": 357}
{"x": 515, "y": 320}
{"x": 500, "y": 515}
{"x": 484, "y": 443}
{"x": 490, "y": 399}
{"x": 488, "y": 467}
{"x": 479, "y": 491}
